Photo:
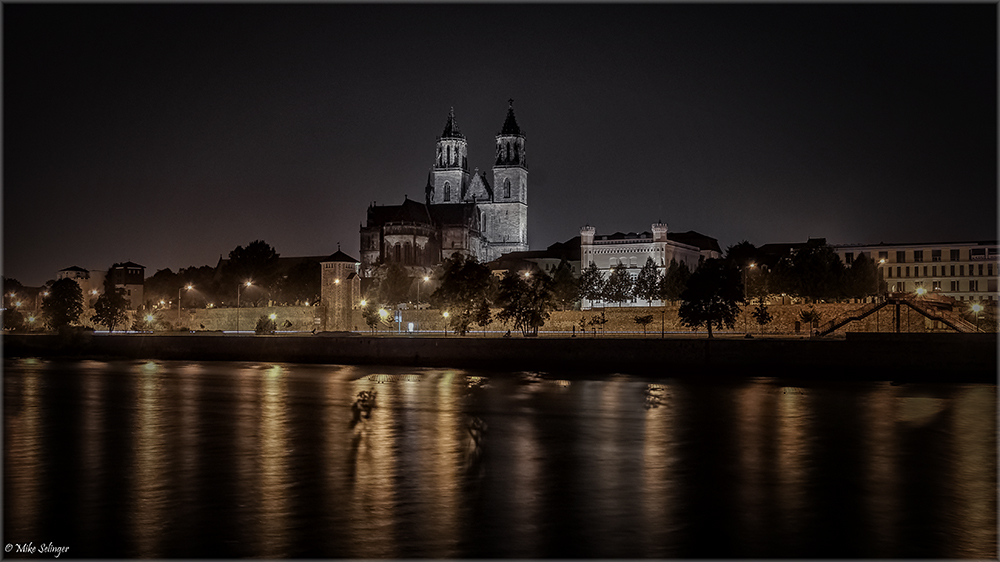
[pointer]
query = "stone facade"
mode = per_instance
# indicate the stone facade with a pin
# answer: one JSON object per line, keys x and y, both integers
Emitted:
{"x": 462, "y": 212}
{"x": 607, "y": 251}
{"x": 340, "y": 292}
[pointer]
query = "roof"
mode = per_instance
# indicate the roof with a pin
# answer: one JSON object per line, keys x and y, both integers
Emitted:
{"x": 339, "y": 256}
{"x": 75, "y": 268}
{"x": 409, "y": 211}
{"x": 451, "y": 130}
{"x": 128, "y": 264}
{"x": 510, "y": 127}
{"x": 695, "y": 239}
{"x": 890, "y": 245}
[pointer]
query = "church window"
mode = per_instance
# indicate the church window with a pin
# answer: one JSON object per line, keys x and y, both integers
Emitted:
{"x": 506, "y": 187}
{"x": 449, "y": 155}
{"x": 508, "y": 152}
{"x": 447, "y": 191}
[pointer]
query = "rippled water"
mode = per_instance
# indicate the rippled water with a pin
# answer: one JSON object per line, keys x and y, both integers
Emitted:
{"x": 227, "y": 459}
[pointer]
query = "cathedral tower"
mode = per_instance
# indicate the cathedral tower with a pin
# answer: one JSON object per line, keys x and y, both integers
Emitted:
{"x": 506, "y": 217}
{"x": 450, "y": 174}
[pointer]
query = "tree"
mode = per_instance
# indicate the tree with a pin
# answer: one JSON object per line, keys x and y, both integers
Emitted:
{"x": 300, "y": 284}
{"x": 257, "y": 263}
{"x": 371, "y": 316}
{"x": 163, "y": 285}
{"x": 591, "y": 284}
{"x": 742, "y": 254}
{"x": 647, "y": 284}
{"x": 813, "y": 272}
{"x": 761, "y": 314}
{"x": 713, "y": 296}
{"x": 643, "y": 321}
{"x": 599, "y": 321}
{"x": 618, "y": 287}
{"x": 525, "y": 301}
{"x": 64, "y": 304}
{"x": 393, "y": 284}
{"x": 465, "y": 292}
{"x": 565, "y": 287}
{"x": 674, "y": 281}
{"x": 861, "y": 278}
{"x": 111, "y": 308}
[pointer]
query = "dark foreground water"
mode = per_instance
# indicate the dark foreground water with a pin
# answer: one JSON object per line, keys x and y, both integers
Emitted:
{"x": 176, "y": 459}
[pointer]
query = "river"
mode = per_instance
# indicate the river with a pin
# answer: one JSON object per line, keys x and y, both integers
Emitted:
{"x": 174, "y": 459}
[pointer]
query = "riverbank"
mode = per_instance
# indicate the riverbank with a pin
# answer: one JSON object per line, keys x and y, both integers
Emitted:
{"x": 925, "y": 357}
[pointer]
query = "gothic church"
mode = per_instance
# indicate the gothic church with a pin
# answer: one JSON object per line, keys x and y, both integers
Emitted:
{"x": 462, "y": 214}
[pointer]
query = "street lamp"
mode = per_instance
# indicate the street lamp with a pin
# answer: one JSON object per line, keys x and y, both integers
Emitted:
{"x": 149, "y": 322}
{"x": 188, "y": 287}
{"x": 921, "y": 291}
{"x": 751, "y": 266}
{"x": 38, "y": 298}
{"x": 238, "y": 287}
{"x": 977, "y": 308}
{"x": 878, "y": 285}
{"x": 445, "y": 314}
{"x": 426, "y": 279}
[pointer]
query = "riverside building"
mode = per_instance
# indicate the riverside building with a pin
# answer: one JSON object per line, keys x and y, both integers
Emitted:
{"x": 965, "y": 271}
{"x": 607, "y": 251}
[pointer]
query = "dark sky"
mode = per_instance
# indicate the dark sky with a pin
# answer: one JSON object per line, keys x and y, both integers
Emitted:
{"x": 170, "y": 134}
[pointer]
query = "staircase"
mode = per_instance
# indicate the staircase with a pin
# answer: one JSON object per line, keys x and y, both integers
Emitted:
{"x": 929, "y": 309}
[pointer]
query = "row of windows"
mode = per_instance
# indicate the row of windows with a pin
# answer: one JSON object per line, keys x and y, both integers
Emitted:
{"x": 933, "y": 255}
{"x": 904, "y": 271}
{"x": 953, "y": 286}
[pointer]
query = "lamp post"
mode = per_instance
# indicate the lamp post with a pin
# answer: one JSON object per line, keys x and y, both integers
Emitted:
{"x": 39, "y": 298}
{"x": 238, "y": 287}
{"x": 445, "y": 314}
{"x": 662, "y": 315}
{"x": 746, "y": 326}
{"x": 878, "y": 285}
{"x": 188, "y": 287}
{"x": 426, "y": 279}
{"x": 976, "y": 308}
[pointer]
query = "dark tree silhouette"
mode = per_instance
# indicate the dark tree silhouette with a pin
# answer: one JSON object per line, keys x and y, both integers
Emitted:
{"x": 674, "y": 281}
{"x": 565, "y": 287}
{"x": 64, "y": 304}
{"x": 591, "y": 283}
{"x": 618, "y": 287}
{"x": 526, "y": 302}
{"x": 465, "y": 292}
{"x": 713, "y": 296}
{"x": 647, "y": 284}
{"x": 111, "y": 308}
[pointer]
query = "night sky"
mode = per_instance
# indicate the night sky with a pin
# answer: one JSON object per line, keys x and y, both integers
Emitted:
{"x": 169, "y": 134}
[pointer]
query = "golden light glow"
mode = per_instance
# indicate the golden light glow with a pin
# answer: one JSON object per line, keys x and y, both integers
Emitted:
{"x": 977, "y": 307}
{"x": 921, "y": 290}
{"x": 336, "y": 281}
{"x": 150, "y": 318}
{"x": 248, "y": 283}
{"x": 364, "y": 302}
{"x": 426, "y": 278}
{"x": 273, "y": 316}
{"x": 383, "y": 313}
{"x": 445, "y": 314}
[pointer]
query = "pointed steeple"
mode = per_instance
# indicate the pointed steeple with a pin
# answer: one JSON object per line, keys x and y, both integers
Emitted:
{"x": 510, "y": 127}
{"x": 451, "y": 130}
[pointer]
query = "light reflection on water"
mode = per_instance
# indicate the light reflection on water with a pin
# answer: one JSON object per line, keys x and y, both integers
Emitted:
{"x": 174, "y": 459}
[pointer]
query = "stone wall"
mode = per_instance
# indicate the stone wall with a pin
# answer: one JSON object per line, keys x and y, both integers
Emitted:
{"x": 620, "y": 320}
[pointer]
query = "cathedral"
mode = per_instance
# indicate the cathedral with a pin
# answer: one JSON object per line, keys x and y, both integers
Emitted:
{"x": 462, "y": 213}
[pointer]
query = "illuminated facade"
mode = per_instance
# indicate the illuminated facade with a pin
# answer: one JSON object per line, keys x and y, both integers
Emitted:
{"x": 965, "y": 271}
{"x": 462, "y": 213}
{"x": 607, "y": 251}
{"x": 340, "y": 291}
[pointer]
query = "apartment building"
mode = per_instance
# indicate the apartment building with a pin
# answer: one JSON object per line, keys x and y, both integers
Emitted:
{"x": 965, "y": 271}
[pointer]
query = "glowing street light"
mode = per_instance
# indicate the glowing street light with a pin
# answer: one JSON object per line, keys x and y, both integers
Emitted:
{"x": 238, "y": 287}
{"x": 445, "y": 314}
{"x": 364, "y": 302}
{"x": 149, "y": 321}
{"x": 977, "y": 308}
{"x": 188, "y": 287}
{"x": 426, "y": 279}
{"x": 921, "y": 291}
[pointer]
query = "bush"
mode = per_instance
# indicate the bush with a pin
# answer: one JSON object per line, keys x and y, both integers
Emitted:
{"x": 265, "y": 326}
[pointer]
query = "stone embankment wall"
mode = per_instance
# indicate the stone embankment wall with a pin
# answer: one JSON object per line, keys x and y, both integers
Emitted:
{"x": 619, "y": 320}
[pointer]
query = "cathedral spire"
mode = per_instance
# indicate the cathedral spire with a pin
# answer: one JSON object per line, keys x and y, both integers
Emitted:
{"x": 451, "y": 130}
{"x": 510, "y": 127}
